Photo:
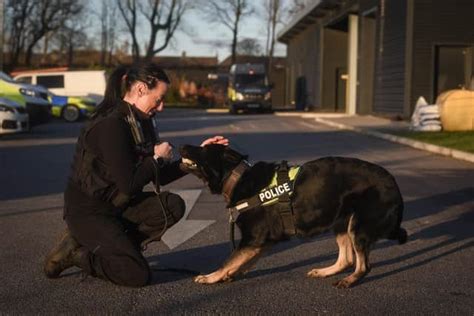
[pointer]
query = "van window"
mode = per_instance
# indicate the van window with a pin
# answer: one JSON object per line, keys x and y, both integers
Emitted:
{"x": 56, "y": 81}
{"x": 26, "y": 79}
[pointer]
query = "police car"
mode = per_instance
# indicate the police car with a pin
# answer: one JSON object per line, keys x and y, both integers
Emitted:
{"x": 13, "y": 117}
{"x": 71, "y": 109}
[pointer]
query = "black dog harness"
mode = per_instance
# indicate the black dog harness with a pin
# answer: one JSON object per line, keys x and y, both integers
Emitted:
{"x": 278, "y": 191}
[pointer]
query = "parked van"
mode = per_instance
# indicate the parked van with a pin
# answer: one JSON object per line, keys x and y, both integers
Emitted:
{"x": 87, "y": 83}
{"x": 248, "y": 88}
{"x": 33, "y": 98}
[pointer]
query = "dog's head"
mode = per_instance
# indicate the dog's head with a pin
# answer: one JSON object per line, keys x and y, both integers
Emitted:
{"x": 212, "y": 163}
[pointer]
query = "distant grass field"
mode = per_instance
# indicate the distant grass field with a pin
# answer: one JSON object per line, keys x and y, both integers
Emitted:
{"x": 456, "y": 140}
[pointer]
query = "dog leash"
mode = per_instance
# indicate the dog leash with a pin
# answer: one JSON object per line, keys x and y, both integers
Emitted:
{"x": 232, "y": 234}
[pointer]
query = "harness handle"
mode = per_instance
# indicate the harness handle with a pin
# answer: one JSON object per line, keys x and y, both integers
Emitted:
{"x": 284, "y": 202}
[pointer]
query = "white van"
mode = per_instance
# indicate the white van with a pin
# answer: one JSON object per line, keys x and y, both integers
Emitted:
{"x": 87, "y": 83}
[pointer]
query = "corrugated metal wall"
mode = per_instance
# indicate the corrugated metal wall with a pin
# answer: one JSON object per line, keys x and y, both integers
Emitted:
{"x": 390, "y": 58}
{"x": 365, "y": 5}
{"x": 437, "y": 23}
{"x": 304, "y": 60}
{"x": 334, "y": 57}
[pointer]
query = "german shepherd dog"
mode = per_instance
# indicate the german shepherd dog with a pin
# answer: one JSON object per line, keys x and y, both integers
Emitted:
{"x": 358, "y": 200}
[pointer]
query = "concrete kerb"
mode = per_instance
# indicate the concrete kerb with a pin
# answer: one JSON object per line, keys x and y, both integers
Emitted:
{"x": 323, "y": 118}
{"x": 217, "y": 110}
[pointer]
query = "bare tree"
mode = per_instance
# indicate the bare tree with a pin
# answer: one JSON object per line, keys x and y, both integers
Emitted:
{"x": 129, "y": 11}
{"x": 272, "y": 15}
{"x": 18, "y": 12}
{"x": 163, "y": 16}
{"x": 104, "y": 28}
{"x": 249, "y": 46}
{"x": 108, "y": 18}
{"x": 48, "y": 16}
{"x": 229, "y": 13}
{"x": 71, "y": 36}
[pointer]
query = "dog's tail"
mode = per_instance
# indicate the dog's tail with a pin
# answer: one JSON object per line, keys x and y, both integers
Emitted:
{"x": 399, "y": 233}
{"x": 402, "y": 236}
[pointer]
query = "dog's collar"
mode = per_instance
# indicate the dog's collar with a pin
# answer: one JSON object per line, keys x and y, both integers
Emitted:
{"x": 233, "y": 178}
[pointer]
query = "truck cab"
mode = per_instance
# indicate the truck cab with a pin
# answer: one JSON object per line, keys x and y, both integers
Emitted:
{"x": 248, "y": 89}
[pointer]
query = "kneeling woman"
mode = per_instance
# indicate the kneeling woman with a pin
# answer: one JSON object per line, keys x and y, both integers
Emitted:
{"x": 109, "y": 218}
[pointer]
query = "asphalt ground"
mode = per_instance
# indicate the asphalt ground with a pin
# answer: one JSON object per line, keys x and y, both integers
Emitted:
{"x": 431, "y": 274}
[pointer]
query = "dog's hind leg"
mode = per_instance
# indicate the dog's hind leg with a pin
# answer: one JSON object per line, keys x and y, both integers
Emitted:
{"x": 344, "y": 260}
{"x": 239, "y": 262}
{"x": 361, "y": 245}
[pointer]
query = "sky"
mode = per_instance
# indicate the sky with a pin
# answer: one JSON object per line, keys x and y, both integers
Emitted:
{"x": 197, "y": 35}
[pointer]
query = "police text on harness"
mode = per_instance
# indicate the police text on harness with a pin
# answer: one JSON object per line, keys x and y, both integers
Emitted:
{"x": 274, "y": 192}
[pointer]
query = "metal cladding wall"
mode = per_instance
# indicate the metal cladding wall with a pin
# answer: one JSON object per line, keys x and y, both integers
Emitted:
{"x": 437, "y": 23}
{"x": 367, "y": 4}
{"x": 390, "y": 57}
{"x": 366, "y": 52}
{"x": 304, "y": 61}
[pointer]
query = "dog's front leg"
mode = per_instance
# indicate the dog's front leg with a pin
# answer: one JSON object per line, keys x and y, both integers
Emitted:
{"x": 240, "y": 258}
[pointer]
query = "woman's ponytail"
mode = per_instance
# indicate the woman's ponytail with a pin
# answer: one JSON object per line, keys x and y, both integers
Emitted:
{"x": 113, "y": 91}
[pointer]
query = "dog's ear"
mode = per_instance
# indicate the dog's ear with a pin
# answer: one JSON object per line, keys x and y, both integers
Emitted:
{"x": 233, "y": 156}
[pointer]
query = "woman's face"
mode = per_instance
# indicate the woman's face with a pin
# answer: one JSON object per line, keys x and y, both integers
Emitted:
{"x": 150, "y": 101}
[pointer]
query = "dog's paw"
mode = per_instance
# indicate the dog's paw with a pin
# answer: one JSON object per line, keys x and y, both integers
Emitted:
{"x": 202, "y": 279}
{"x": 207, "y": 279}
{"x": 315, "y": 273}
{"x": 343, "y": 284}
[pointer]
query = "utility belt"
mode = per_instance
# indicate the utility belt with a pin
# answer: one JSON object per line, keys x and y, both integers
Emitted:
{"x": 278, "y": 192}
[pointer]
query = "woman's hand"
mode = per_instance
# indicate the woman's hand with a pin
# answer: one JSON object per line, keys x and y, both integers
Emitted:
{"x": 163, "y": 150}
{"x": 221, "y": 140}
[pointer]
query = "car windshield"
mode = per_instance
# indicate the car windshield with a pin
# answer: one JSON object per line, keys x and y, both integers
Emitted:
{"x": 250, "y": 80}
{"x": 5, "y": 77}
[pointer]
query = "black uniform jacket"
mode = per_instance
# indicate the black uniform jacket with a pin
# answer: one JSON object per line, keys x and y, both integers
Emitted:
{"x": 111, "y": 140}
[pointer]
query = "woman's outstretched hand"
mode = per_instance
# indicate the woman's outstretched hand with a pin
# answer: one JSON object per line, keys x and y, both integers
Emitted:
{"x": 221, "y": 140}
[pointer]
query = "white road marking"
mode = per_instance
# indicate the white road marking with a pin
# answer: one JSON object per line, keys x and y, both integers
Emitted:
{"x": 252, "y": 126}
{"x": 185, "y": 229}
{"x": 175, "y": 236}
{"x": 312, "y": 126}
{"x": 234, "y": 127}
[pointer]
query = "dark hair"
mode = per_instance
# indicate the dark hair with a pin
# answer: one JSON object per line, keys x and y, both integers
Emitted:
{"x": 123, "y": 77}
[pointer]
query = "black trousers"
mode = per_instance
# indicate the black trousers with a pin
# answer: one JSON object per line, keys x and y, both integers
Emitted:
{"x": 112, "y": 240}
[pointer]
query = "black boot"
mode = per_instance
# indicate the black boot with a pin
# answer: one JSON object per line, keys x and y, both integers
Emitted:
{"x": 65, "y": 255}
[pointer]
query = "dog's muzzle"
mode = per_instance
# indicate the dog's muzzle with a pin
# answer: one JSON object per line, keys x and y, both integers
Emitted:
{"x": 189, "y": 163}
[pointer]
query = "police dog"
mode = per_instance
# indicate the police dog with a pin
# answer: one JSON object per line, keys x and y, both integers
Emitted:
{"x": 359, "y": 201}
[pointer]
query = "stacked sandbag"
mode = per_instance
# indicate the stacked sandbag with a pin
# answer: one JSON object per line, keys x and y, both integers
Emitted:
{"x": 457, "y": 110}
{"x": 426, "y": 117}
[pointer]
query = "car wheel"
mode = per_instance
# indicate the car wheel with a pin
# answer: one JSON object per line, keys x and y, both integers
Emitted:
{"x": 232, "y": 110}
{"x": 71, "y": 113}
